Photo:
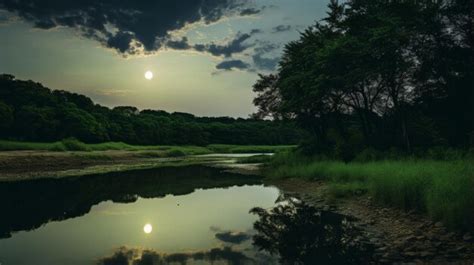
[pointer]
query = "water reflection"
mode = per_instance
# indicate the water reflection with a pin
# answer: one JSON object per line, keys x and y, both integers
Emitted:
{"x": 292, "y": 232}
{"x": 29, "y": 204}
{"x": 301, "y": 234}
{"x": 201, "y": 225}
{"x": 147, "y": 228}
{"x": 226, "y": 255}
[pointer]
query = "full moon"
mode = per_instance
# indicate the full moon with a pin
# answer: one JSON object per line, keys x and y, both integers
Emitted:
{"x": 149, "y": 75}
{"x": 147, "y": 228}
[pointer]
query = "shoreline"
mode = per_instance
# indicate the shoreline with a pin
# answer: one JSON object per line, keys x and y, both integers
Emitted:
{"x": 399, "y": 237}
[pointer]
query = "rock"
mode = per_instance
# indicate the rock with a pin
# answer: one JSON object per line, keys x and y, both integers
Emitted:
{"x": 467, "y": 237}
{"x": 450, "y": 234}
{"x": 438, "y": 244}
{"x": 382, "y": 249}
{"x": 438, "y": 225}
{"x": 410, "y": 254}
{"x": 461, "y": 249}
{"x": 420, "y": 238}
{"x": 409, "y": 238}
{"x": 426, "y": 254}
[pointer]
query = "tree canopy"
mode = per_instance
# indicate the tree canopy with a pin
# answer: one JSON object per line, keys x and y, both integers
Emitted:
{"x": 32, "y": 112}
{"x": 380, "y": 74}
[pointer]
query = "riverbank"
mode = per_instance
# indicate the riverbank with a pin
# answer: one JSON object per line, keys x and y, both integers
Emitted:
{"x": 399, "y": 237}
{"x": 440, "y": 189}
{"x": 40, "y": 162}
{"x": 414, "y": 210}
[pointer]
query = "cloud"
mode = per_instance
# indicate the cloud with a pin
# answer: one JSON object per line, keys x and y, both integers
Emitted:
{"x": 236, "y": 45}
{"x": 127, "y": 26}
{"x": 179, "y": 44}
{"x": 250, "y": 11}
{"x": 262, "y": 63}
{"x": 232, "y": 64}
{"x": 261, "y": 59}
{"x": 282, "y": 28}
{"x": 125, "y": 256}
{"x": 232, "y": 237}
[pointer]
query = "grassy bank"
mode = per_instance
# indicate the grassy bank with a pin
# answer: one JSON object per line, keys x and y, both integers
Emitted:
{"x": 235, "y": 149}
{"x": 442, "y": 189}
{"x": 154, "y": 150}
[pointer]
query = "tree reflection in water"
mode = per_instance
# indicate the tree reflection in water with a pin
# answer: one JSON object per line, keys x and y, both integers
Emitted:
{"x": 302, "y": 234}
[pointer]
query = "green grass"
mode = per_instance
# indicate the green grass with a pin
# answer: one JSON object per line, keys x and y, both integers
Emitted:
{"x": 442, "y": 189}
{"x": 224, "y": 148}
{"x": 72, "y": 144}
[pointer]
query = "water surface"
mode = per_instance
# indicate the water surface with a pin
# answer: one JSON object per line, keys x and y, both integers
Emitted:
{"x": 185, "y": 215}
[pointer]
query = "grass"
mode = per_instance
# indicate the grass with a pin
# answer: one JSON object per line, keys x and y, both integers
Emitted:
{"x": 235, "y": 149}
{"x": 72, "y": 144}
{"x": 254, "y": 159}
{"x": 442, "y": 189}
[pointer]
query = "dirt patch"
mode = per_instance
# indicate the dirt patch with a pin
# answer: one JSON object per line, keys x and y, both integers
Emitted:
{"x": 20, "y": 165}
{"x": 400, "y": 237}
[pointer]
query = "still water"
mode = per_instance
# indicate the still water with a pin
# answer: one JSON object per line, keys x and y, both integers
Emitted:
{"x": 189, "y": 215}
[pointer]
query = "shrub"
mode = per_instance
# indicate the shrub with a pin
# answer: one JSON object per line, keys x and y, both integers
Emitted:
{"x": 368, "y": 154}
{"x": 444, "y": 153}
{"x": 72, "y": 144}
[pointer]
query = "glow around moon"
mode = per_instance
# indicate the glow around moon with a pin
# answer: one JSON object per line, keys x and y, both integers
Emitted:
{"x": 148, "y": 75}
{"x": 147, "y": 228}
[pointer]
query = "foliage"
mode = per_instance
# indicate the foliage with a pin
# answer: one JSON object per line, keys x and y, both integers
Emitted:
{"x": 378, "y": 75}
{"x": 32, "y": 112}
{"x": 301, "y": 234}
{"x": 72, "y": 144}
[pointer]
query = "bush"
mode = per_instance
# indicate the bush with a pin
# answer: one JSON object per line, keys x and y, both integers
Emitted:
{"x": 57, "y": 147}
{"x": 72, "y": 144}
{"x": 367, "y": 155}
{"x": 444, "y": 153}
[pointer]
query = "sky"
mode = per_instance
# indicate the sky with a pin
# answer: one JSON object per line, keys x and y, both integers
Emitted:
{"x": 205, "y": 55}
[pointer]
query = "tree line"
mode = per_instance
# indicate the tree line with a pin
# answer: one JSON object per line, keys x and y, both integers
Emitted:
{"x": 379, "y": 74}
{"x": 31, "y": 112}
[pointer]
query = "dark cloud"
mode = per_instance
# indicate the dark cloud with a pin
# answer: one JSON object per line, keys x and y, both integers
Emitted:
{"x": 261, "y": 59}
{"x": 126, "y": 256}
{"x": 232, "y": 237}
{"x": 282, "y": 28}
{"x": 236, "y": 45}
{"x": 250, "y": 11}
{"x": 179, "y": 44}
{"x": 263, "y": 63}
{"x": 233, "y": 64}
{"x": 120, "y": 41}
{"x": 125, "y": 25}
{"x": 5, "y": 17}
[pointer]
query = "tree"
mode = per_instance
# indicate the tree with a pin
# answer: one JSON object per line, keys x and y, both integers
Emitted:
{"x": 6, "y": 119}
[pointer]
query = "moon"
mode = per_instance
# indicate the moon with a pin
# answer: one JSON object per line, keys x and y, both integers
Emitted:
{"x": 149, "y": 75}
{"x": 147, "y": 228}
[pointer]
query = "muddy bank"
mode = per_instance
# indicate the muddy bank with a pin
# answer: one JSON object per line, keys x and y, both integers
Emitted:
{"x": 23, "y": 165}
{"x": 400, "y": 237}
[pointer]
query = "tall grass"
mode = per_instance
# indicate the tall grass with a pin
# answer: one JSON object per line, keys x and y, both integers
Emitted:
{"x": 72, "y": 144}
{"x": 442, "y": 189}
